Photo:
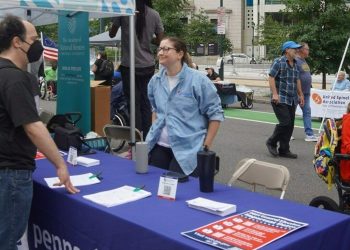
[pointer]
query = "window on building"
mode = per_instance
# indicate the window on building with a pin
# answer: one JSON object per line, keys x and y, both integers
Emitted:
{"x": 215, "y": 22}
{"x": 278, "y": 17}
{"x": 184, "y": 20}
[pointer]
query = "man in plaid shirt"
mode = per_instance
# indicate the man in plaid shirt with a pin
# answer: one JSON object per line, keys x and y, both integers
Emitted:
{"x": 286, "y": 93}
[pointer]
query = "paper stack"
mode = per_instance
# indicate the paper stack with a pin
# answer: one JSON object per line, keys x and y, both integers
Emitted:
{"x": 87, "y": 162}
{"x": 213, "y": 207}
{"x": 117, "y": 196}
{"x": 77, "y": 180}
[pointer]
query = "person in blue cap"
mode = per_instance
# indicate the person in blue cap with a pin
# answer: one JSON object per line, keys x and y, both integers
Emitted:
{"x": 286, "y": 94}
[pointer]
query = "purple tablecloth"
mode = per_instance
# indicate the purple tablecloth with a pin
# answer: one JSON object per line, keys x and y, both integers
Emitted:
{"x": 62, "y": 221}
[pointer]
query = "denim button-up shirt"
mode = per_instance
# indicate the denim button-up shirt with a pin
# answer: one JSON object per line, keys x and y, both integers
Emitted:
{"x": 186, "y": 111}
{"x": 286, "y": 80}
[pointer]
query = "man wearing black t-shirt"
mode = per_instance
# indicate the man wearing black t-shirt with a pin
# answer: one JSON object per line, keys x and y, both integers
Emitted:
{"x": 21, "y": 131}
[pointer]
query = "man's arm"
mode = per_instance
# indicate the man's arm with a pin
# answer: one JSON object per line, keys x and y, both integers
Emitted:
{"x": 113, "y": 30}
{"x": 212, "y": 130}
{"x": 272, "y": 83}
{"x": 158, "y": 38}
{"x": 300, "y": 93}
{"x": 39, "y": 135}
{"x": 94, "y": 68}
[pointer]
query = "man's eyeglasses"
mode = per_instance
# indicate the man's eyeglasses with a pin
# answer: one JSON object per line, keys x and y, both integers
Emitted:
{"x": 165, "y": 49}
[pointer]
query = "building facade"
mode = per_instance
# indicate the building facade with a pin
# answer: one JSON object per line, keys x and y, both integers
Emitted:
{"x": 242, "y": 17}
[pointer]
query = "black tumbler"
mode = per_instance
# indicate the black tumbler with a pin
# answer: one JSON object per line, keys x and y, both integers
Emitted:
{"x": 206, "y": 163}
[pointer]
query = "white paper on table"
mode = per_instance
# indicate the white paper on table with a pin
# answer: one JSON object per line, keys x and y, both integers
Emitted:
{"x": 77, "y": 180}
{"x": 117, "y": 196}
{"x": 211, "y": 206}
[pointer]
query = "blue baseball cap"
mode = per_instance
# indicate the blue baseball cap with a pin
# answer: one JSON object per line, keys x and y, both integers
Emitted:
{"x": 290, "y": 45}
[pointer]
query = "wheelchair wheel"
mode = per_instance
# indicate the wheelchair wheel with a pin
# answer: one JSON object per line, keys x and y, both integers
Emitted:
{"x": 243, "y": 105}
{"x": 324, "y": 202}
{"x": 117, "y": 145}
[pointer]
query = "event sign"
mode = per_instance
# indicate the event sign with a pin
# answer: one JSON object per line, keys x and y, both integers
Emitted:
{"x": 248, "y": 230}
{"x": 73, "y": 67}
{"x": 337, "y": 102}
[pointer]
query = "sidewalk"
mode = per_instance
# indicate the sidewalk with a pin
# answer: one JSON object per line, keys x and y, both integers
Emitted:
{"x": 258, "y": 82}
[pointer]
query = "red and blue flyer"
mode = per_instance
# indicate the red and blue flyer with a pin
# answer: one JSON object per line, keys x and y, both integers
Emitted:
{"x": 39, "y": 156}
{"x": 248, "y": 230}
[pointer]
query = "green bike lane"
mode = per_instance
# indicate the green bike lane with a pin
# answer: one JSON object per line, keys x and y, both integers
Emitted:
{"x": 263, "y": 117}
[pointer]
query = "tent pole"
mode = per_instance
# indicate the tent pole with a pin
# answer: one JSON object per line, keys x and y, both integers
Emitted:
{"x": 339, "y": 69}
{"x": 132, "y": 82}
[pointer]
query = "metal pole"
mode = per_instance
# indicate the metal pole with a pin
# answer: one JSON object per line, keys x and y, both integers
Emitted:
{"x": 132, "y": 82}
{"x": 222, "y": 37}
{"x": 253, "y": 25}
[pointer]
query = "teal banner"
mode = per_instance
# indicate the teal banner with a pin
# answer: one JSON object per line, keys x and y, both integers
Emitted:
{"x": 73, "y": 66}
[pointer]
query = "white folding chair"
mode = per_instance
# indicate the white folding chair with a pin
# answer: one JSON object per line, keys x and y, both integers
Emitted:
{"x": 269, "y": 175}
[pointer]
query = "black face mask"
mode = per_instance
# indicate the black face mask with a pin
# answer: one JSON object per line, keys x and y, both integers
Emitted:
{"x": 34, "y": 52}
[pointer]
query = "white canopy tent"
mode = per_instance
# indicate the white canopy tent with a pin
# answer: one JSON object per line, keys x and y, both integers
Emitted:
{"x": 40, "y": 16}
{"x": 46, "y": 12}
{"x": 104, "y": 39}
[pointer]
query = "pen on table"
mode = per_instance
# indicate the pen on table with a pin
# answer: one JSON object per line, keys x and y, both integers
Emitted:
{"x": 139, "y": 188}
{"x": 98, "y": 176}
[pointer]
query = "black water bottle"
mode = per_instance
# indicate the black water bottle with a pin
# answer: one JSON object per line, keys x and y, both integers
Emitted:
{"x": 206, "y": 163}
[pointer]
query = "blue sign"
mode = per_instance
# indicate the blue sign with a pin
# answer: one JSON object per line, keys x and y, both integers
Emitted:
{"x": 73, "y": 67}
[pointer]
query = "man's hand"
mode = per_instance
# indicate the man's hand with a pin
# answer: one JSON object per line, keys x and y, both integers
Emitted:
{"x": 63, "y": 175}
{"x": 275, "y": 98}
{"x": 113, "y": 31}
{"x": 301, "y": 101}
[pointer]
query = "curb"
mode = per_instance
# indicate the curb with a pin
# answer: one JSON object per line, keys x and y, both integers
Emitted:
{"x": 261, "y": 100}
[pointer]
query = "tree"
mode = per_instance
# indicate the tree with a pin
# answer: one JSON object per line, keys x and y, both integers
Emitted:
{"x": 51, "y": 30}
{"x": 273, "y": 35}
{"x": 198, "y": 30}
{"x": 172, "y": 15}
{"x": 323, "y": 25}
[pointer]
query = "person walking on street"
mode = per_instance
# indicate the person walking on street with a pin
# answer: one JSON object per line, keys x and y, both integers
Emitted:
{"x": 306, "y": 81}
{"x": 21, "y": 131}
{"x": 148, "y": 23}
{"x": 285, "y": 89}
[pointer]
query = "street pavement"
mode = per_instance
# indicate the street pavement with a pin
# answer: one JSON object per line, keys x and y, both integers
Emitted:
{"x": 239, "y": 139}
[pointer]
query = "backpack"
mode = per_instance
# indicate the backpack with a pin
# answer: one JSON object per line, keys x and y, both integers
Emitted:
{"x": 324, "y": 152}
{"x": 107, "y": 69}
{"x": 66, "y": 134}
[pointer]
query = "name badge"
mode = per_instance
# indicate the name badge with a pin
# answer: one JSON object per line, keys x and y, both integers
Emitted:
{"x": 167, "y": 187}
{"x": 72, "y": 156}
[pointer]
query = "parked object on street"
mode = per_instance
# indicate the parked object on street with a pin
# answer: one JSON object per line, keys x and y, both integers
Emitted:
{"x": 245, "y": 95}
{"x": 230, "y": 93}
{"x": 236, "y": 58}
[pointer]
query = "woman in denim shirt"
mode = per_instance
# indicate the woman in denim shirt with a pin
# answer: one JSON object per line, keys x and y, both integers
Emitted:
{"x": 186, "y": 111}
